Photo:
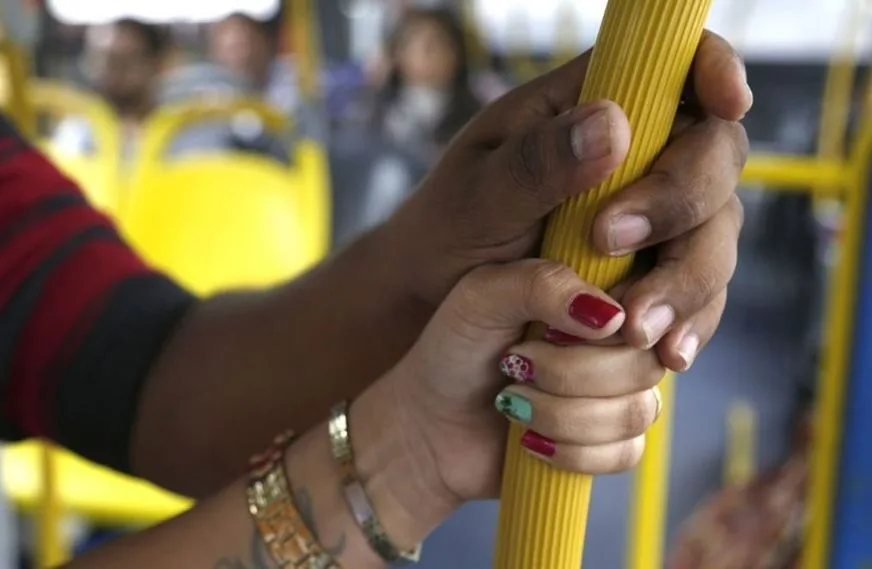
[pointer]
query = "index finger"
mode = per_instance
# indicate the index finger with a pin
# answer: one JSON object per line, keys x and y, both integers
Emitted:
{"x": 720, "y": 82}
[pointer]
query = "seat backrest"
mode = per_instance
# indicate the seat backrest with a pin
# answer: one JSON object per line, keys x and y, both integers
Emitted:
{"x": 307, "y": 178}
{"x": 97, "y": 172}
{"x": 217, "y": 222}
{"x": 100, "y": 187}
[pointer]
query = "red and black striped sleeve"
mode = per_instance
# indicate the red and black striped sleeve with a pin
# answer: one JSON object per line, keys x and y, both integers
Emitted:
{"x": 82, "y": 318}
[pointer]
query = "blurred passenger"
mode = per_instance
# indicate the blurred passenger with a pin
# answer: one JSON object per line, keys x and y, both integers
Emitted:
{"x": 248, "y": 47}
{"x": 123, "y": 61}
{"x": 426, "y": 98}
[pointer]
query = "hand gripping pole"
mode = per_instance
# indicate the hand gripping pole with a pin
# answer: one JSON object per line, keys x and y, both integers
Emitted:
{"x": 641, "y": 60}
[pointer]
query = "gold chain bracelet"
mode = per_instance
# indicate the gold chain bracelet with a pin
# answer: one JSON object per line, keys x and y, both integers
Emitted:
{"x": 287, "y": 538}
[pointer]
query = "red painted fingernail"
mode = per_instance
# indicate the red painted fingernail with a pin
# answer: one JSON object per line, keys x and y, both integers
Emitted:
{"x": 517, "y": 367}
{"x": 592, "y": 311}
{"x": 536, "y": 443}
{"x": 555, "y": 336}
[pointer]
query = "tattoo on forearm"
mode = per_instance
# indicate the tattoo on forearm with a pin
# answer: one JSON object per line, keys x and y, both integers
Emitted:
{"x": 303, "y": 501}
{"x": 260, "y": 558}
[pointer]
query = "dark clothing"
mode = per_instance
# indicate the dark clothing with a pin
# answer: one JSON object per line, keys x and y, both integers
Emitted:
{"x": 82, "y": 318}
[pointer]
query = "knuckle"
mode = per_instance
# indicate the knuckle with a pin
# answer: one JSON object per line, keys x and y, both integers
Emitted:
{"x": 470, "y": 289}
{"x": 651, "y": 370}
{"x": 563, "y": 374}
{"x": 737, "y": 209}
{"x": 686, "y": 204}
{"x": 740, "y": 144}
{"x": 638, "y": 414}
{"x": 531, "y": 165}
{"x": 704, "y": 285}
{"x": 544, "y": 280}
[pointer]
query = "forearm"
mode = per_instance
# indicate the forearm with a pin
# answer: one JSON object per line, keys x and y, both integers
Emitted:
{"x": 244, "y": 366}
{"x": 219, "y": 532}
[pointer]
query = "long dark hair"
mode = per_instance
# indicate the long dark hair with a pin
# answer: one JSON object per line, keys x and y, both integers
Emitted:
{"x": 463, "y": 104}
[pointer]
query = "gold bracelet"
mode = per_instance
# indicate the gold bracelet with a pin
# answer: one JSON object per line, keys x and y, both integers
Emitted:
{"x": 355, "y": 495}
{"x": 287, "y": 538}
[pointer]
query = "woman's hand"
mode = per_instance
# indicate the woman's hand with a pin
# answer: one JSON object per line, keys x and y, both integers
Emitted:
{"x": 530, "y": 151}
{"x": 586, "y": 406}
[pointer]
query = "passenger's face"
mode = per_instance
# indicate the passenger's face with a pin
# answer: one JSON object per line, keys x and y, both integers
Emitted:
{"x": 240, "y": 46}
{"x": 120, "y": 66}
{"x": 425, "y": 55}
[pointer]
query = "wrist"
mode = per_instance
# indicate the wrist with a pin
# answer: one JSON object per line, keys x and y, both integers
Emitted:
{"x": 397, "y": 470}
{"x": 412, "y": 252}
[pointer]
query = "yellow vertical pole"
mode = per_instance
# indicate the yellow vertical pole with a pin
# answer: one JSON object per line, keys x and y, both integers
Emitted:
{"x": 301, "y": 26}
{"x": 646, "y": 533}
{"x": 568, "y": 35}
{"x": 839, "y": 85}
{"x": 641, "y": 60}
{"x": 519, "y": 40}
{"x": 477, "y": 51}
{"x": 740, "y": 462}
{"x": 833, "y": 376}
{"x": 51, "y": 550}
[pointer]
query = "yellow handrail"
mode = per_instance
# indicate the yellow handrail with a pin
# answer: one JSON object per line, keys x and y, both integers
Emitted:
{"x": 839, "y": 86}
{"x": 740, "y": 461}
{"x": 642, "y": 57}
{"x": 50, "y": 547}
{"x": 832, "y": 380}
{"x": 302, "y": 25}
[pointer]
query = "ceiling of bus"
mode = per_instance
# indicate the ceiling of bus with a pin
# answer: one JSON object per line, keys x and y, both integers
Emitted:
{"x": 101, "y": 11}
{"x": 762, "y": 29}
{"x": 765, "y": 29}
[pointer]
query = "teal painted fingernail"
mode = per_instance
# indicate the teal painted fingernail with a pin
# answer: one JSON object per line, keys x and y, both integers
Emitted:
{"x": 514, "y": 406}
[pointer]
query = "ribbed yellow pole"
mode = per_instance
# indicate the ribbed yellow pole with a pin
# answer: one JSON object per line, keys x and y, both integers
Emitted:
{"x": 740, "y": 465}
{"x": 641, "y": 61}
{"x": 646, "y": 531}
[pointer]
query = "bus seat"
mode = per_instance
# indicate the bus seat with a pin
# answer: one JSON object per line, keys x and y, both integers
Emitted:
{"x": 99, "y": 186}
{"x": 220, "y": 221}
{"x": 306, "y": 178}
{"x": 96, "y": 170}
{"x": 99, "y": 494}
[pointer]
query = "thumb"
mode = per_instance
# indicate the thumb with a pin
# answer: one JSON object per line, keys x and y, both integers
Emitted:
{"x": 493, "y": 303}
{"x": 546, "y": 163}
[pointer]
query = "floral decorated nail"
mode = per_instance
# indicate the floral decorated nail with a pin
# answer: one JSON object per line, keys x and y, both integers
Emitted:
{"x": 517, "y": 367}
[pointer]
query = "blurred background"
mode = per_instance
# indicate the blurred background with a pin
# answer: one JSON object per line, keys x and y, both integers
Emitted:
{"x": 190, "y": 122}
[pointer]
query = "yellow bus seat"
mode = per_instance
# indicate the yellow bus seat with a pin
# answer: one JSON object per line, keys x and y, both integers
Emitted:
{"x": 98, "y": 173}
{"x": 309, "y": 168}
{"x": 219, "y": 221}
{"x": 310, "y": 158}
{"x": 99, "y": 186}
{"x": 96, "y": 493}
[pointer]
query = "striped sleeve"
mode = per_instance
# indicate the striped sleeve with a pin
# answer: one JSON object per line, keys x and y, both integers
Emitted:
{"x": 82, "y": 318}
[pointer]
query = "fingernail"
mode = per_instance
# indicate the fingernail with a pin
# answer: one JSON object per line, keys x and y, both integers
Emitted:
{"x": 538, "y": 444}
{"x": 656, "y": 322}
{"x": 592, "y": 138}
{"x": 517, "y": 367}
{"x": 555, "y": 336}
{"x": 743, "y": 73}
{"x": 627, "y": 232}
{"x": 688, "y": 348}
{"x": 592, "y": 311}
{"x": 514, "y": 406}
{"x": 658, "y": 397}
